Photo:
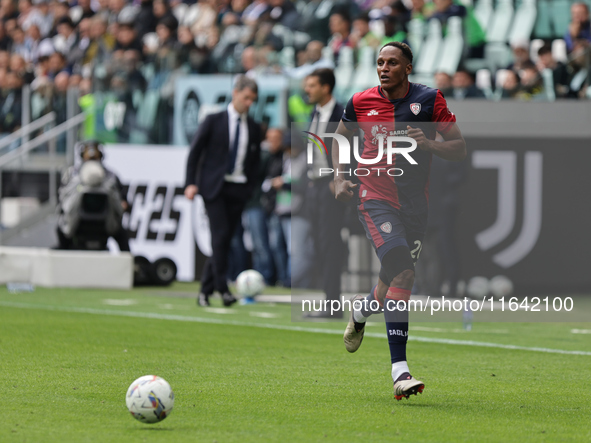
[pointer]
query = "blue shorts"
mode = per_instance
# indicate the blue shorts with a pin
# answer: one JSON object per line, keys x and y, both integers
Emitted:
{"x": 388, "y": 228}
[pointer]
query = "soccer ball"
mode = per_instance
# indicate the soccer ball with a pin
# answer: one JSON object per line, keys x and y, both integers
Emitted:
{"x": 477, "y": 287}
{"x": 150, "y": 399}
{"x": 250, "y": 283}
{"x": 501, "y": 286}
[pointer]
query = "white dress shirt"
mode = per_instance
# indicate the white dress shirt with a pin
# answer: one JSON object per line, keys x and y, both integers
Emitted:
{"x": 238, "y": 175}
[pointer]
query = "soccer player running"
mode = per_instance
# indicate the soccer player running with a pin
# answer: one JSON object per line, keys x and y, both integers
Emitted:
{"x": 393, "y": 209}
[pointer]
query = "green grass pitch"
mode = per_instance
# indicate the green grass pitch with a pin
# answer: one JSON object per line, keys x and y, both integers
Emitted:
{"x": 252, "y": 375}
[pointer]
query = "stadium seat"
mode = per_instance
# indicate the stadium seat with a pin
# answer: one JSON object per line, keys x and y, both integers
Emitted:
{"x": 497, "y": 55}
{"x": 559, "y": 50}
{"x": 500, "y": 77}
{"x": 344, "y": 70}
{"x": 287, "y": 57}
{"x": 431, "y": 51}
{"x": 543, "y": 27}
{"x": 560, "y": 14}
{"x": 484, "y": 82}
{"x": 534, "y": 47}
{"x": 327, "y": 54}
{"x": 548, "y": 77}
{"x": 500, "y": 22}
{"x": 452, "y": 47}
{"x": 365, "y": 74}
{"x": 416, "y": 34}
{"x": 524, "y": 21}
{"x": 483, "y": 12}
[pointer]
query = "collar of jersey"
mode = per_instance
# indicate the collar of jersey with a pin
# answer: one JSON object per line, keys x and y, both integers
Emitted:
{"x": 398, "y": 99}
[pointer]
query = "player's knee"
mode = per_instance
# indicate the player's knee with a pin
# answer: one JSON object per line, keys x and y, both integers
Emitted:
{"x": 398, "y": 268}
{"x": 404, "y": 280}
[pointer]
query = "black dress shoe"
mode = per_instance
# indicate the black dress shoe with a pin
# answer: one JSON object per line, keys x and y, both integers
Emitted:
{"x": 203, "y": 300}
{"x": 228, "y": 299}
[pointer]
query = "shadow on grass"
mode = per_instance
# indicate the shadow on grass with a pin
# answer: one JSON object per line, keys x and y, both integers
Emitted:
{"x": 155, "y": 429}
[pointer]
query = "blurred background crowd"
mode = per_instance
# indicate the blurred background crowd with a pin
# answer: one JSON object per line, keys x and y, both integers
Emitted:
{"x": 134, "y": 50}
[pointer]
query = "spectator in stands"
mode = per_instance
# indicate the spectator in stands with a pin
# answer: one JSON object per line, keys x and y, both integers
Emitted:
{"x": 127, "y": 39}
{"x": 41, "y": 17}
{"x": 443, "y": 82}
{"x": 66, "y": 38}
{"x": 340, "y": 28}
{"x": 559, "y": 69}
{"x": 135, "y": 79}
{"x": 422, "y": 10}
{"x": 145, "y": 21}
{"x": 193, "y": 56}
{"x": 57, "y": 64}
{"x": 579, "y": 27}
{"x": 59, "y": 10}
{"x": 166, "y": 31}
{"x": 577, "y": 81}
{"x": 511, "y": 84}
{"x": 8, "y": 10}
{"x": 520, "y": 49}
{"x": 19, "y": 65}
{"x": 4, "y": 38}
{"x": 11, "y": 103}
{"x": 81, "y": 11}
{"x": 532, "y": 84}
{"x": 362, "y": 36}
{"x": 277, "y": 202}
{"x": 395, "y": 25}
{"x": 101, "y": 42}
{"x": 464, "y": 87}
{"x": 162, "y": 12}
{"x": 19, "y": 44}
{"x": 255, "y": 215}
{"x": 312, "y": 60}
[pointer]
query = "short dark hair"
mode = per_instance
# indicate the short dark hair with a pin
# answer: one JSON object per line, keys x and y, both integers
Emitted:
{"x": 242, "y": 81}
{"x": 325, "y": 77}
{"x": 546, "y": 49}
{"x": 406, "y": 51}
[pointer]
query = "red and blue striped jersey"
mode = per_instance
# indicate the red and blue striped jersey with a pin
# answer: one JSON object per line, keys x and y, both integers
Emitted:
{"x": 377, "y": 117}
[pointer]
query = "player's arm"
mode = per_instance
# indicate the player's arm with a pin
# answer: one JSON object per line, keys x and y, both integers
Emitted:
{"x": 343, "y": 189}
{"x": 197, "y": 147}
{"x": 453, "y": 147}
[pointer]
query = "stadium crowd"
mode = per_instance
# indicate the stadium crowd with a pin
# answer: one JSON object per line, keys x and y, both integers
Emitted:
{"x": 129, "y": 47}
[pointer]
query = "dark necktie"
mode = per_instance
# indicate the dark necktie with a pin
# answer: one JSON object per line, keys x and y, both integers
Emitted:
{"x": 314, "y": 124}
{"x": 234, "y": 148}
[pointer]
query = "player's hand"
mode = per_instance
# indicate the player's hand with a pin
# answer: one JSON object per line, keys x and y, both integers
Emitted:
{"x": 344, "y": 190}
{"x": 277, "y": 183}
{"x": 191, "y": 191}
{"x": 422, "y": 142}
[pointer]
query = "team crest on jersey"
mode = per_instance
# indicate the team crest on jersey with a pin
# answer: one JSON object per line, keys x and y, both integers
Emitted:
{"x": 386, "y": 227}
{"x": 415, "y": 108}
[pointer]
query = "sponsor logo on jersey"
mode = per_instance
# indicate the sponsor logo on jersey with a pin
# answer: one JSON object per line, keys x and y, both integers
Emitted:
{"x": 386, "y": 227}
{"x": 372, "y": 112}
{"x": 415, "y": 108}
{"x": 364, "y": 193}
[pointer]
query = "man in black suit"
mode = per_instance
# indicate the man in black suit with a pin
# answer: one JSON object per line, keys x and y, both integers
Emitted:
{"x": 222, "y": 165}
{"x": 327, "y": 214}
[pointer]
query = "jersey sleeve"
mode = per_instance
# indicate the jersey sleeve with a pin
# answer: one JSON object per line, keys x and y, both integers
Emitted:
{"x": 349, "y": 116}
{"x": 442, "y": 116}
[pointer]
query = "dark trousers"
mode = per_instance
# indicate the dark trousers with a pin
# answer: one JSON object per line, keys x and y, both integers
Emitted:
{"x": 224, "y": 213}
{"x": 327, "y": 221}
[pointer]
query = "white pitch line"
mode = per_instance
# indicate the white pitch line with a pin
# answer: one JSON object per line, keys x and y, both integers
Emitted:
{"x": 218, "y": 321}
{"x": 581, "y": 331}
